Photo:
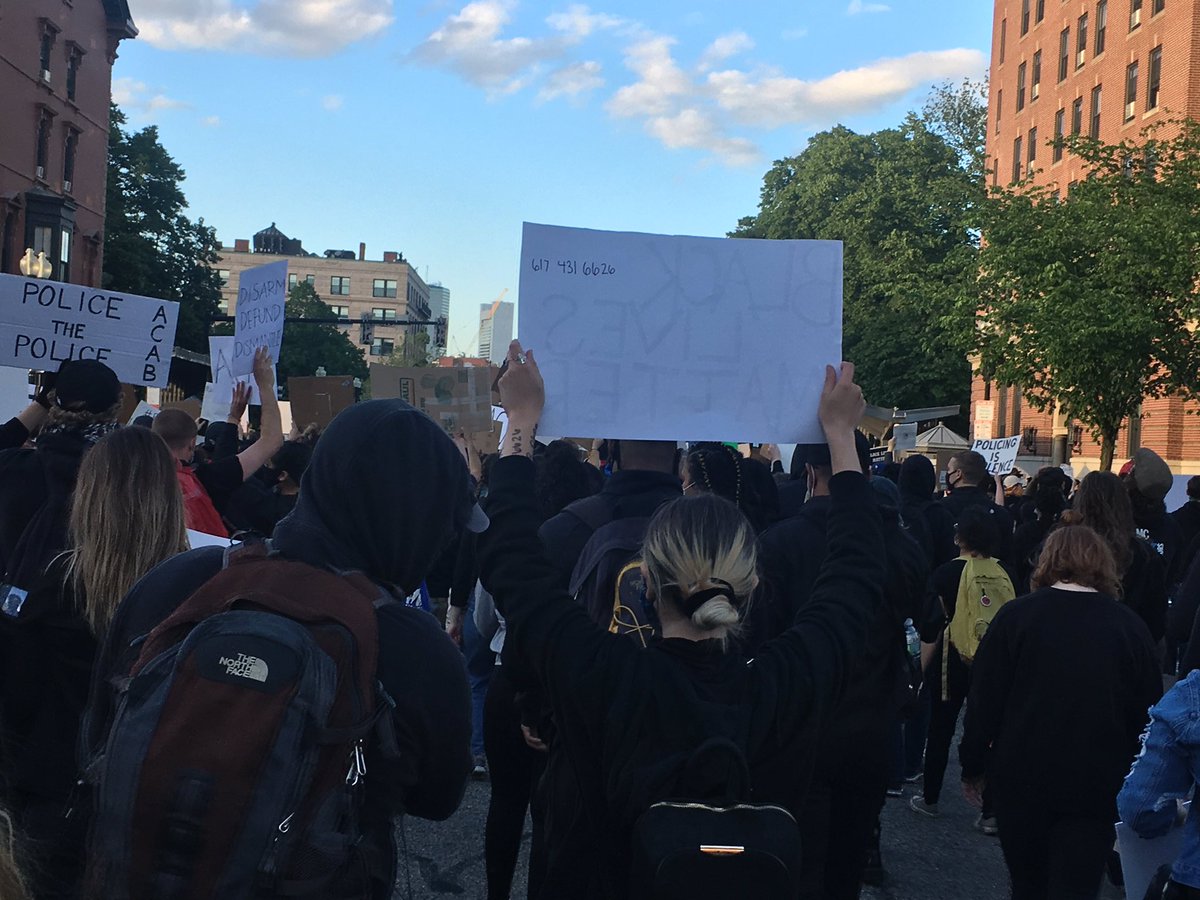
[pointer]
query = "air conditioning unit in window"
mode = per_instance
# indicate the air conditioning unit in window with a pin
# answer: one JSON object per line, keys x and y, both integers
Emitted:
{"x": 1128, "y": 111}
{"x": 40, "y": 172}
{"x": 46, "y": 76}
{"x": 1135, "y": 18}
{"x": 1033, "y": 93}
{"x": 66, "y": 187}
{"x": 1079, "y": 58}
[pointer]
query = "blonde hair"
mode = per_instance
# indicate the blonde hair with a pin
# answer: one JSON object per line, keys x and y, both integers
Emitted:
{"x": 702, "y": 543}
{"x": 80, "y": 418}
{"x": 127, "y": 516}
{"x": 12, "y": 885}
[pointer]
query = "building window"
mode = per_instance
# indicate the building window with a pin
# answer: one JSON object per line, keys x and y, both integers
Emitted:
{"x": 382, "y": 314}
{"x": 1094, "y": 129}
{"x": 223, "y": 306}
{"x": 42, "y": 150}
{"x": 1135, "y": 14}
{"x": 1081, "y": 41}
{"x": 382, "y": 346}
{"x": 1020, "y": 87}
{"x": 339, "y": 285}
{"x": 1077, "y": 116}
{"x": 311, "y": 279}
{"x": 1064, "y": 51}
{"x": 293, "y": 280}
{"x": 46, "y": 51}
{"x": 224, "y": 275}
{"x": 1059, "y": 121}
{"x": 1016, "y": 160}
{"x": 1157, "y": 6}
{"x": 1036, "y": 76}
{"x": 383, "y": 287}
{"x": 1024, "y": 17}
{"x": 1131, "y": 83}
{"x": 1039, "y": 12}
{"x": 342, "y": 312}
{"x": 1031, "y": 152}
{"x": 1003, "y": 37}
{"x": 999, "y": 107}
{"x": 70, "y": 148}
{"x": 74, "y": 58}
{"x": 64, "y": 255}
{"x": 1101, "y": 25}
{"x": 1154, "y": 80}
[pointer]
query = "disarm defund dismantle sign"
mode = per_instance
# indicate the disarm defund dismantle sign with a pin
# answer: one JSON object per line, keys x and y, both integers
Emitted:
{"x": 45, "y": 323}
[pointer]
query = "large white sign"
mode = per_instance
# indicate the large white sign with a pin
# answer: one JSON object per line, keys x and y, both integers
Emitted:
{"x": 653, "y": 337}
{"x": 262, "y": 293}
{"x": 1000, "y": 453}
{"x": 45, "y": 323}
{"x": 220, "y": 356}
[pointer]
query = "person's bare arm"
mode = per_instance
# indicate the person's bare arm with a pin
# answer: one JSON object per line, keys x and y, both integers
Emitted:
{"x": 270, "y": 432}
{"x": 33, "y": 416}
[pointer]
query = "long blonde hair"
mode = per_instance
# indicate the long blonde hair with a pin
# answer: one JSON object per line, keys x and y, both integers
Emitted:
{"x": 698, "y": 544}
{"x": 126, "y": 517}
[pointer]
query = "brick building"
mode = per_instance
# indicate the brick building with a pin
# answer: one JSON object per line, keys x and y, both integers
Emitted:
{"x": 56, "y": 59}
{"x": 388, "y": 290}
{"x": 1106, "y": 69}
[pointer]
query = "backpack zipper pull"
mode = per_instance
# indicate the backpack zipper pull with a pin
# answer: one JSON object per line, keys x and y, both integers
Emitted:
{"x": 358, "y": 766}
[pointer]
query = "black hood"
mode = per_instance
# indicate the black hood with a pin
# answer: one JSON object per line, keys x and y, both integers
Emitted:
{"x": 918, "y": 479}
{"x": 384, "y": 493}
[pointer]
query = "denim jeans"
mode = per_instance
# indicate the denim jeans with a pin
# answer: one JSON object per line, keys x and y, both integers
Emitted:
{"x": 481, "y": 662}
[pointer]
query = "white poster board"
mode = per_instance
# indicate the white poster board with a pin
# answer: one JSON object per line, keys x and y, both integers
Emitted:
{"x": 14, "y": 392}
{"x": 220, "y": 362}
{"x": 143, "y": 409}
{"x": 45, "y": 323}
{"x": 905, "y": 438}
{"x": 654, "y": 337}
{"x": 1000, "y": 453}
{"x": 262, "y": 293}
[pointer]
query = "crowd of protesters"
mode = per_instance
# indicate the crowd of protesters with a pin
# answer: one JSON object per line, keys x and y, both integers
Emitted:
{"x": 628, "y": 641}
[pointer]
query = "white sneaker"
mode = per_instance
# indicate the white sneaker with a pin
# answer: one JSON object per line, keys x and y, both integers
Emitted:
{"x": 918, "y": 804}
{"x": 987, "y": 826}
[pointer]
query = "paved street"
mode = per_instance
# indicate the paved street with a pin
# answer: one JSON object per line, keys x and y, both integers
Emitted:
{"x": 926, "y": 859}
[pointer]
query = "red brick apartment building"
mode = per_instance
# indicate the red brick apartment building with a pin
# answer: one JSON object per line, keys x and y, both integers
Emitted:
{"x": 56, "y": 59}
{"x": 1107, "y": 69}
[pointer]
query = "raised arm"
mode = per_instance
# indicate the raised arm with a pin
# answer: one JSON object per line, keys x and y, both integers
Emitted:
{"x": 270, "y": 434}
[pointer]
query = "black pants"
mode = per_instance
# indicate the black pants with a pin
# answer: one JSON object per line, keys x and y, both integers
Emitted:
{"x": 1052, "y": 856}
{"x": 514, "y": 769}
{"x": 841, "y": 810}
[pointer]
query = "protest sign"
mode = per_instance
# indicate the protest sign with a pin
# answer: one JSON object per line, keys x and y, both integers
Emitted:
{"x": 14, "y": 392}
{"x": 262, "y": 294}
{"x": 142, "y": 409}
{"x": 1000, "y": 453}
{"x": 45, "y": 323}
{"x": 459, "y": 398}
{"x": 905, "y": 438}
{"x": 656, "y": 337}
{"x": 317, "y": 399}
{"x": 212, "y": 408}
{"x": 220, "y": 361}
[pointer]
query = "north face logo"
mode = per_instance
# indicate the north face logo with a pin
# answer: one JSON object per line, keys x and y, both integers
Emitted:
{"x": 245, "y": 667}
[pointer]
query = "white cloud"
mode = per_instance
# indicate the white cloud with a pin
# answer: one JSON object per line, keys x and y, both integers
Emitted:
{"x": 579, "y": 21}
{"x": 858, "y": 7}
{"x": 695, "y": 129}
{"x": 307, "y": 28}
{"x": 211, "y": 121}
{"x": 724, "y": 47}
{"x": 572, "y": 81}
{"x": 660, "y": 80}
{"x": 470, "y": 44}
{"x": 135, "y": 96}
{"x": 332, "y": 102}
{"x": 775, "y": 100}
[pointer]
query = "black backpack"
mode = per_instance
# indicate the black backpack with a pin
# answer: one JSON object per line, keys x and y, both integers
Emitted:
{"x": 236, "y": 762}
{"x": 704, "y": 848}
{"x": 607, "y": 578}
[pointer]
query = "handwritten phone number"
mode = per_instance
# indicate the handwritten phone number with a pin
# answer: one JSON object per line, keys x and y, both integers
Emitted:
{"x": 573, "y": 267}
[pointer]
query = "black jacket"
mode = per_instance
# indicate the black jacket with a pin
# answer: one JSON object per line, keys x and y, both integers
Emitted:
{"x": 628, "y": 718}
{"x": 963, "y": 497}
{"x": 13, "y": 434}
{"x": 1060, "y": 690}
{"x": 634, "y": 493}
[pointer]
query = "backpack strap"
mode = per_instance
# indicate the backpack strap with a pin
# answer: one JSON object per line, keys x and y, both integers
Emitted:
{"x": 595, "y": 512}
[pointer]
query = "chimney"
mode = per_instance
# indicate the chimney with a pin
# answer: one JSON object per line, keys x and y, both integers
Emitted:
{"x": 241, "y": 245}
{"x": 362, "y": 251}
{"x": 390, "y": 256}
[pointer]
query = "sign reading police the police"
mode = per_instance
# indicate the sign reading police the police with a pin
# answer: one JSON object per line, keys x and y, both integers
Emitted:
{"x": 262, "y": 294}
{"x": 45, "y": 323}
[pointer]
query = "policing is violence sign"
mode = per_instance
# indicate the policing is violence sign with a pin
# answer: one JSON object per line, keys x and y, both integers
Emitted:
{"x": 45, "y": 323}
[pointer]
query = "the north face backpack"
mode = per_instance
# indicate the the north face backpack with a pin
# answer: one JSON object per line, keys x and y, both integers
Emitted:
{"x": 235, "y": 764}
{"x": 983, "y": 588}
{"x": 700, "y": 848}
{"x": 607, "y": 578}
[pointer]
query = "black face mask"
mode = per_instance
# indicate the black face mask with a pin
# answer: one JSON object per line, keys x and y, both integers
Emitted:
{"x": 268, "y": 476}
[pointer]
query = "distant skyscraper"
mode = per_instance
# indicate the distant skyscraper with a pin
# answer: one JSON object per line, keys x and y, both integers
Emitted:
{"x": 439, "y": 306}
{"x": 495, "y": 330}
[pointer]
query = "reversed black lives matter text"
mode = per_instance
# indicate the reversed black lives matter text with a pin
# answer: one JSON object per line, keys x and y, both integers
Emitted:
{"x": 589, "y": 268}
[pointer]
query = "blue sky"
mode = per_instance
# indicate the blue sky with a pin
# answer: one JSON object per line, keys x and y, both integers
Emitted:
{"x": 437, "y": 127}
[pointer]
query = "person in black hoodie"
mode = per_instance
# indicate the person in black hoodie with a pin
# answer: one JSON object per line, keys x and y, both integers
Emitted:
{"x": 629, "y": 718}
{"x": 1060, "y": 690}
{"x": 348, "y": 519}
{"x": 930, "y": 522}
{"x": 966, "y": 473}
{"x": 1048, "y": 498}
{"x": 36, "y": 485}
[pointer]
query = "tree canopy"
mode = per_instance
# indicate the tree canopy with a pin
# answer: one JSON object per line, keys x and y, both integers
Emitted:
{"x": 307, "y": 346}
{"x": 905, "y": 203}
{"x": 151, "y": 247}
{"x": 1090, "y": 299}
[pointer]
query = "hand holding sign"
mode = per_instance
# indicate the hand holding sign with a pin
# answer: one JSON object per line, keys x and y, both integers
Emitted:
{"x": 264, "y": 371}
{"x": 1001, "y": 453}
{"x": 262, "y": 296}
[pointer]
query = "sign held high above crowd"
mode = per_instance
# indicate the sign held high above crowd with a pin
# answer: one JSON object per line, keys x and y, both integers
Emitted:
{"x": 655, "y": 337}
{"x": 46, "y": 323}
{"x": 1000, "y": 453}
{"x": 459, "y": 398}
{"x": 262, "y": 297}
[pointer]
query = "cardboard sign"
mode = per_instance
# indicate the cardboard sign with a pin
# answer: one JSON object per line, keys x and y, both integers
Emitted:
{"x": 189, "y": 405}
{"x": 1000, "y": 453}
{"x": 315, "y": 400}
{"x": 45, "y": 323}
{"x": 459, "y": 398}
{"x": 655, "y": 337}
{"x": 262, "y": 295}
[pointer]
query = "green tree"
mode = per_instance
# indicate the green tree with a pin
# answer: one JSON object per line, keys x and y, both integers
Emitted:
{"x": 412, "y": 352}
{"x": 151, "y": 247}
{"x": 306, "y": 346}
{"x": 1090, "y": 299}
{"x": 903, "y": 202}
{"x": 958, "y": 113}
